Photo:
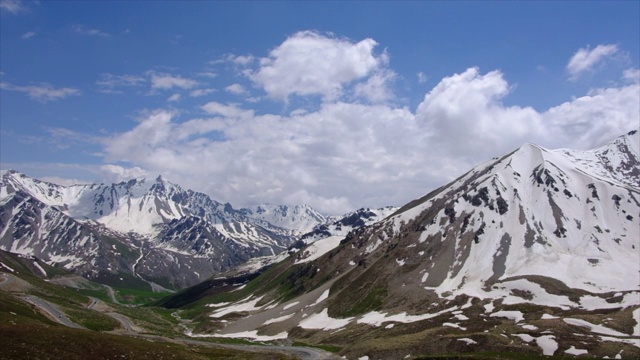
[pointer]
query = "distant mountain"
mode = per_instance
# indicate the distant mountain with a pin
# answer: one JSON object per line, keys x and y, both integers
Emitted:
{"x": 532, "y": 252}
{"x": 150, "y": 229}
{"x": 300, "y": 219}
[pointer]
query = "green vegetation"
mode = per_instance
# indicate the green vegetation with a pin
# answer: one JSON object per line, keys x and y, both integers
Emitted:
{"x": 92, "y": 320}
{"x": 358, "y": 294}
{"x": 487, "y": 356}
{"x": 153, "y": 319}
{"x": 138, "y": 296}
{"x": 100, "y": 293}
{"x": 59, "y": 342}
{"x": 329, "y": 348}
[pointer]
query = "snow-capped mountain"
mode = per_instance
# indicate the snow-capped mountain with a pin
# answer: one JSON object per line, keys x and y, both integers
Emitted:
{"x": 160, "y": 226}
{"x": 300, "y": 219}
{"x": 488, "y": 261}
{"x": 327, "y": 236}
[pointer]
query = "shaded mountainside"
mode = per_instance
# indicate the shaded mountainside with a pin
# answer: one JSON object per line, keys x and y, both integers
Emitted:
{"x": 534, "y": 252}
{"x": 150, "y": 230}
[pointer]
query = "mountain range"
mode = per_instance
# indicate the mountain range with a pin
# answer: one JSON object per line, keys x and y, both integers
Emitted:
{"x": 143, "y": 230}
{"x": 537, "y": 251}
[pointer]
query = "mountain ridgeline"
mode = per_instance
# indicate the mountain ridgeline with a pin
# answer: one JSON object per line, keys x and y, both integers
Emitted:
{"x": 148, "y": 231}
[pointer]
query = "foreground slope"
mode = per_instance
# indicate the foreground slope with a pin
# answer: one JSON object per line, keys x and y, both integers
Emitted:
{"x": 534, "y": 252}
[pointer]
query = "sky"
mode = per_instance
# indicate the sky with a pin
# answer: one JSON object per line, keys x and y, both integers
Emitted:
{"x": 338, "y": 105}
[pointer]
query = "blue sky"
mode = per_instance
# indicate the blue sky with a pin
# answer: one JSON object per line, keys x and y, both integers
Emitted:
{"x": 335, "y": 104}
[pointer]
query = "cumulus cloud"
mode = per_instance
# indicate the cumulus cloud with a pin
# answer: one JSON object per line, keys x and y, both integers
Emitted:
{"x": 236, "y": 89}
{"x": 309, "y": 63}
{"x": 13, "y": 6}
{"x": 467, "y": 106}
{"x": 377, "y": 89}
{"x": 162, "y": 81}
{"x": 347, "y": 155}
{"x": 595, "y": 118}
{"x": 43, "y": 92}
{"x": 585, "y": 59}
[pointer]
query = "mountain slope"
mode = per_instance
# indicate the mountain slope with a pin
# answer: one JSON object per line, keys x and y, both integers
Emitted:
{"x": 536, "y": 251}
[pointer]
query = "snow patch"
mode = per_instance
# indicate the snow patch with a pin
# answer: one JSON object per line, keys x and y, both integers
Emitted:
{"x": 378, "y": 318}
{"x": 319, "y": 248}
{"x": 598, "y": 329}
{"x": 245, "y": 306}
{"x": 35, "y": 263}
{"x": 548, "y": 344}
{"x": 467, "y": 340}
{"x": 278, "y": 319}
{"x": 289, "y": 306}
{"x": 514, "y": 315}
{"x": 323, "y": 297}
{"x": 322, "y": 321}
{"x": 573, "y": 351}
{"x": 6, "y": 266}
{"x": 549, "y": 317}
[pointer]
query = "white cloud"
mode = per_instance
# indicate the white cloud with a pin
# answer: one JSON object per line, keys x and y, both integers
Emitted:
{"x": 585, "y": 59}
{"x": 377, "y": 88}
{"x": 62, "y": 181}
{"x": 308, "y": 63}
{"x": 43, "y": 92}
{"x": 201, "y": 92}
{"x": 229, "y": 111}
{"x": 242, "y": 60}
{"x": 208, "y": 74}
{"x": 174, "y": 97}
{"x": 422, "y": 77}
{"x": 117, "y": 174}
{"x": 109, "y": 82}
{"x": 632, "y": 75}
{"x": 83, "y": 30}
{"x": 13, "y": 6}
{"x": 236, "y": 89}
{"x": 595, "y": 118}
{"x": 467, "y": 106}
{"x": 28, "y": 35}
{"x": 164, "y": 81}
